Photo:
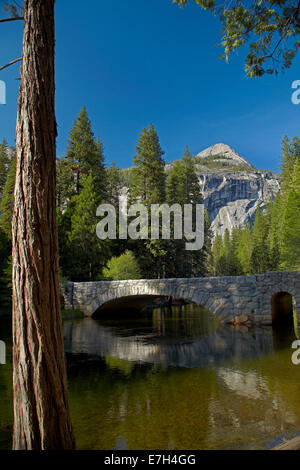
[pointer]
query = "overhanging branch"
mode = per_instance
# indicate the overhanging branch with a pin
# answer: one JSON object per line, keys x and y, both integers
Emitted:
{"x": 17, "y": 18}
{"x": 10, "y": 63}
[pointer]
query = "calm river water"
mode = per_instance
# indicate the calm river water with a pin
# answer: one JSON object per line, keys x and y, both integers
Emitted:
{"x": 173, "y": 380}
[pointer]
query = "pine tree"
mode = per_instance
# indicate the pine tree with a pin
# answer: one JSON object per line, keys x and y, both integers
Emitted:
{"x": 228, "y": 255}
{"x": 64, "y": 186}
{"x": 244, "y": 250}
{"x": 85, "y": 154}
{"x": 274, "y": 254}
{"x": 148, "y": 186}
{"x": 6, "y": 210}
{"x": 276, "y": 210}
{"x": 5, "y": 271}
{"x": 176, "y": 185}
{"x": 192, "y": 188}
{"x": 67, "y": 256}
{"x": 260, "y": 258}
{"x": 290, "y": 153}
{"x": 235, "y": 239}
{"x": 114, "y": 185}
{"x": 183, "y": 188}
{"x": 7, "y": 202}
{"x": 147, "y": 183}
{"x": 224, "y": 255}
{"x": 4, "y": 165}
{"x": 90, "y": 253}
{"x": 216, "y": 256}
{"x": 175, "y": 194}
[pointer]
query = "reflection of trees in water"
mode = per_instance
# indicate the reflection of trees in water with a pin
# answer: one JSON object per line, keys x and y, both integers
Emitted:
{"x": 167, "y": 344}
{"x": 183, "y": 321}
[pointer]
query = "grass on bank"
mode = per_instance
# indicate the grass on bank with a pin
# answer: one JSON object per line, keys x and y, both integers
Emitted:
{"x": 71, "y": 314}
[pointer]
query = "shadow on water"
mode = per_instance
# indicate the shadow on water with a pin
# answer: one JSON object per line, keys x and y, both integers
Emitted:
{"x": 284, "y": 336}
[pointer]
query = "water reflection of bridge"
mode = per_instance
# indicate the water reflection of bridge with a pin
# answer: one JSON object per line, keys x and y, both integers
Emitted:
{"x": 93, "y": 338}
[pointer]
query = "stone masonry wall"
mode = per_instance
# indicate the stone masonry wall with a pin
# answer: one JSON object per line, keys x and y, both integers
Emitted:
{"x": 227, "y": 297}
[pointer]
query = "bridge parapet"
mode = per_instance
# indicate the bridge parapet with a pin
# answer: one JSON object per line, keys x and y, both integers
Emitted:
{"x": 228, "y": 297}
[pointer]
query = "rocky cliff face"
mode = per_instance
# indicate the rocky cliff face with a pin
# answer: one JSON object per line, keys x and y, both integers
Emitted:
{"x": 232, "y": 188}
{"x": 232, "y": 198}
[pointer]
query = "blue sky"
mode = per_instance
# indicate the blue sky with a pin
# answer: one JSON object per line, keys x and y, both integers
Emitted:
{"x": 140, "y": 61}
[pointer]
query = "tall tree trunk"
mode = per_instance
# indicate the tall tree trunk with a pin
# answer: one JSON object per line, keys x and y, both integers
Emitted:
{"x": 41, "y": 411}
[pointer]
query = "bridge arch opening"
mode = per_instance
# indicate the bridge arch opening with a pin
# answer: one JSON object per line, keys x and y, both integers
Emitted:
{"x": 135, "y": 304}
{"x": 282, "y": 309}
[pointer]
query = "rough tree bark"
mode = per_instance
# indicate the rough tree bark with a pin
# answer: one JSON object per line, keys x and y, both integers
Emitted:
{"x": 41, "y": 411}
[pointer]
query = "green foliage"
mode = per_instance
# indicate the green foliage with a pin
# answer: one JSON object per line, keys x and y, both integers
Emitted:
{"x": 260, "y": 257}
{"x": 147, "y": 182}
{"x": 6, "y": 206}
{"x": 290, "y": 153}
{"x": 64, "y": 183}
{"x": 225, "y": 260}
{"x": 66, "y": 314}
{"x": 87, "y": 253}
{"x": 270, "y": 27}
{"x": 5, "y": 271}
{"x": 4, "y": 166}
{"x": 218, "y": 162}
{"x": 83, "y": 184}
{"x": 244, "y": 250}
{"x": 114, "y": 179}
{"x": 182, "y": 184}
{"x": 148, "y": 186}
{"x": 6, "y": 209}
{"x": 284, "y": 212}
{"x": 268, "y": 245}
{"x": 216, "y": 255}
{"x": 13, "y": 8}
{"x": 183, "y": 188}
{"x": 125, "y": 267}
{"x": 84, "y": 155}
{"x": 290, "y": 249}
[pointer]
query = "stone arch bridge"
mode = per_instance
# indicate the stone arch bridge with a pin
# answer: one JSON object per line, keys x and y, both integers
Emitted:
{"x": 260, "y": 297}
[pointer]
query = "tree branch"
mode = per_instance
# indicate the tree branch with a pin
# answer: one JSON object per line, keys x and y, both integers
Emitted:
{"x": 17, "y": 18}
{"x": 288, "y": 25}
{"x": 10, "y": 63}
